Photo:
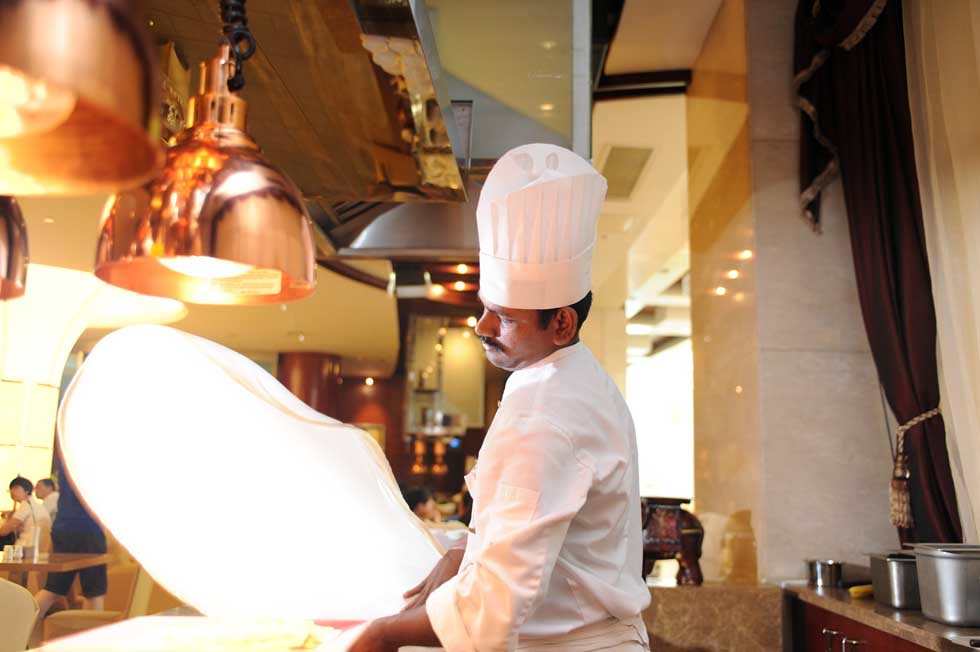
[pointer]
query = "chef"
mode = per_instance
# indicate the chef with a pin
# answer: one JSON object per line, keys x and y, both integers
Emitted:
{"x": 554, "y": 559}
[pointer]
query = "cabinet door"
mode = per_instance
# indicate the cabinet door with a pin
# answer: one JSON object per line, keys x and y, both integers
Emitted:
{"x": 825, "y": 631}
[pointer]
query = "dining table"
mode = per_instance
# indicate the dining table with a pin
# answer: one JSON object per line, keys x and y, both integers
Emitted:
{"x": 55, "y": 562}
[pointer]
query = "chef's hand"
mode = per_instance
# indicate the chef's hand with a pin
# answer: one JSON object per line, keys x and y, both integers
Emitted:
{"x": 392, "y": 632}
{"x": 445, "y": 568}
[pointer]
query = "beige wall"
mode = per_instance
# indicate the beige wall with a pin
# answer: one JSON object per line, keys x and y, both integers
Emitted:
{"x": 605, "y": 330}
{"x": 789, "y": 429}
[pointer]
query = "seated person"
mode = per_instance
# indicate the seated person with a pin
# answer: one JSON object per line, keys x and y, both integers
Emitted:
{"x": 27, "y": 517}
{"x": 47, "y": 492}
{"x": 75, "y": 530}
{"x": 422, "y": 504}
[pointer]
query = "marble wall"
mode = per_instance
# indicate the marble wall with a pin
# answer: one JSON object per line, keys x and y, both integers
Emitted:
{"x": 790, "y": 436}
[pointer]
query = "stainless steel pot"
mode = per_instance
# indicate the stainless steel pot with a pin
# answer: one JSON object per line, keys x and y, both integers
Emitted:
{"x": 893, "y": 576}
{"x": 824, "y": 572}
{"x": 949, "y": 582}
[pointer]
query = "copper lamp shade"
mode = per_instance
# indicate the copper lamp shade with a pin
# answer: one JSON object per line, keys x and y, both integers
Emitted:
{"x": 13, "y": 249}
{"x": 220, "y": 225}
{"x": 78, "y": 95}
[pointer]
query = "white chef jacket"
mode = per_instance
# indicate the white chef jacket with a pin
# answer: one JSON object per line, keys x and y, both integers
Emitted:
{"x": 556, "y": 513}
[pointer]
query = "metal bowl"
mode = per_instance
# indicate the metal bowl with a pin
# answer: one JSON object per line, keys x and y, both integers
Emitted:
{"x": 824, "y": 572}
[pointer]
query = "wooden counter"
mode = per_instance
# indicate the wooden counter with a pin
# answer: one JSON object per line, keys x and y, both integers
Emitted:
{"x": 880, "y": 628}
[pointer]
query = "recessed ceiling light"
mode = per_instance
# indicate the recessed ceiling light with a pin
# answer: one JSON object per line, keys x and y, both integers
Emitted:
{"x": 732, "y": 274}
{"x": 721, "y": 291}
{"x": 301, "y": 337}
{"x": 460, "y": 286}
{"x": 369, "y": 381}
{"x": 462, "y": 268}
{"x": 49, "y": 220}
{"x": 745, "y": 254}
{"x": 437, "y": 290}
{"x": 548, "y": 45}
{"x": 547, "y": 106}
{"x": 471, "y": 322}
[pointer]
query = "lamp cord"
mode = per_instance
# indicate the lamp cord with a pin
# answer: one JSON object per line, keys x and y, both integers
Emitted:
{"x": 242, "y": 42}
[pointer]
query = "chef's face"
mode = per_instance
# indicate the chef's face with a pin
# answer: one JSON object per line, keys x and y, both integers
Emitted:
{"x": 41, "y": 491}
{"x": 513, "y": 338}
{"x": 17, "y": 493}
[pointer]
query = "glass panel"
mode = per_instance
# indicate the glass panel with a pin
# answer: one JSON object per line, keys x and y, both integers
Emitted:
{"x": 513, "y": 58}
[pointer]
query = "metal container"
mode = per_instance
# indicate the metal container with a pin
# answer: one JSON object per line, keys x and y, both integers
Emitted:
{"x": 824, "y": 572}
{"x": 949, "y": 582}
{"x": 894, "y": 579}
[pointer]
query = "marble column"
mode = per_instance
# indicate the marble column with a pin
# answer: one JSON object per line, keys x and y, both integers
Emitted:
{"x": 313, "y": 377}
{"x": 791, "y": 453}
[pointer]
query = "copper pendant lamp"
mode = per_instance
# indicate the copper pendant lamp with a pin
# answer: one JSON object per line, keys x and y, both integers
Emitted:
{"x": 13, "y": 249}
{"x": 78, "y": 94}
{"x": 220, "y": 225}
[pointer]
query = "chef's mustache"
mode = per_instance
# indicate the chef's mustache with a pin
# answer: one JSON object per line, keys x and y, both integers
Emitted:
{"x": 493, "y": 344}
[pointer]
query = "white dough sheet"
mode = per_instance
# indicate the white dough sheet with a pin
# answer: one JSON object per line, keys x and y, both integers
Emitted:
{"x": 232, "y": 493}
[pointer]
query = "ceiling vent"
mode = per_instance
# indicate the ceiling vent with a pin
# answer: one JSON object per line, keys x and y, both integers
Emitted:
{"x": 622, "y": 169}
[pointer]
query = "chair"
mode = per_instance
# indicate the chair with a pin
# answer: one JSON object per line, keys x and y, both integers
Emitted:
{"x": 146, "y": 597}
{"x": 18, "y": 612}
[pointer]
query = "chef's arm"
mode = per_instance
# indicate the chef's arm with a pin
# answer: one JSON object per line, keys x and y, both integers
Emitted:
{"x": 407, "y": 628}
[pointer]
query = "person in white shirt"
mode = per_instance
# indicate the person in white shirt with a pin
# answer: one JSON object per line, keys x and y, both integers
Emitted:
{"x": 555, "y": 558}
{"x": 46, "y": 490}
{"x": 28, "y": 516}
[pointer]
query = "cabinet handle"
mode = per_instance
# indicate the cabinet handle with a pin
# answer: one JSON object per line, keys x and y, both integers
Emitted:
{"x": 828, "y": 639}
{"x": 844, "y": 642}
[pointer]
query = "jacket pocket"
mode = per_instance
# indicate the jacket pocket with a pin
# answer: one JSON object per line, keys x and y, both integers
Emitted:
{"x": 515, "y": 504}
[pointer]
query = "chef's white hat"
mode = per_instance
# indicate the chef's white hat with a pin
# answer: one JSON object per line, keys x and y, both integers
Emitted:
{"x": 537, "y": 219}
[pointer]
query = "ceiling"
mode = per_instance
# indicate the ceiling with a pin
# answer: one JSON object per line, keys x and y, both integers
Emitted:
{"x": 657, "y": 35}
{"x": 652, "y": 221}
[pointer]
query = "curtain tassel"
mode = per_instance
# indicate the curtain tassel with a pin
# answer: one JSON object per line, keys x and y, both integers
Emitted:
{"x": 899, "y": 502}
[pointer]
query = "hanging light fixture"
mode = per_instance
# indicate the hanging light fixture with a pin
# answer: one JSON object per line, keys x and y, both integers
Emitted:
{"x": 78, "y": 93}
{"x": 220, "y": 225}
{"x": 13, "y": 249}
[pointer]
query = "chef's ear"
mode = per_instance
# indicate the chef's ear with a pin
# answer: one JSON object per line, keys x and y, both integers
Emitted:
{"x": 566, "y": 326}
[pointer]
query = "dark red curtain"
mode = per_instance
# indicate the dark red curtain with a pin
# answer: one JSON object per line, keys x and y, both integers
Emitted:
{"x": 850, "y": 78}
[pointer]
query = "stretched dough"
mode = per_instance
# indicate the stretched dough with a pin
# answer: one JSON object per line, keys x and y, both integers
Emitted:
{"x": 232, "y": 493}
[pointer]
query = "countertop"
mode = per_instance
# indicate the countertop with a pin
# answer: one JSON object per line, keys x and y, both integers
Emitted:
{"x": 906, "y": 624}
